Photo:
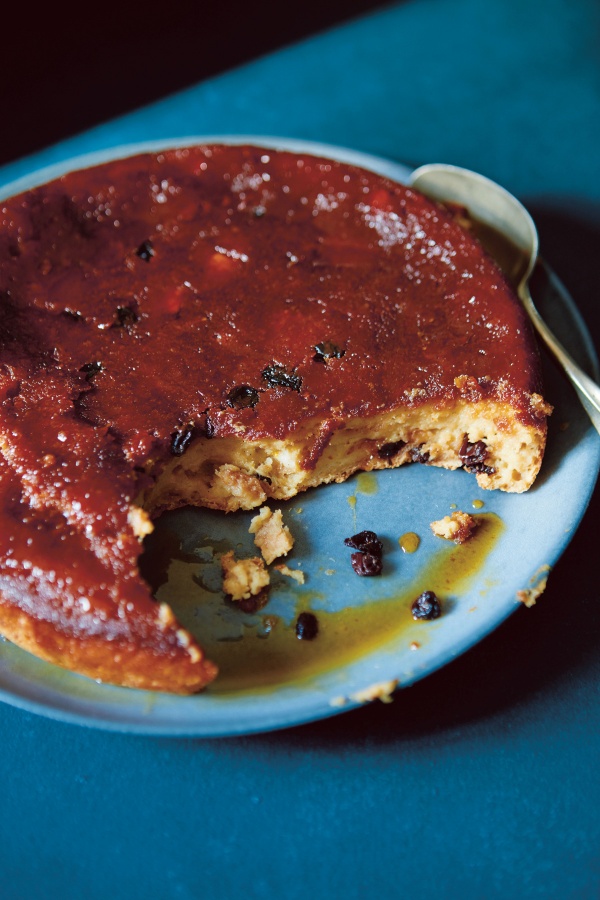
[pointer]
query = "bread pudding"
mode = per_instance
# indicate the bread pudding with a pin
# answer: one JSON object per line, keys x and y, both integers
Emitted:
{"x": 223, "y": 326}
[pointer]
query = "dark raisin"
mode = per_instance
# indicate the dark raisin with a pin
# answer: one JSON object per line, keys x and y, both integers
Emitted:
{"x": 254, "y": 602}
{"x": 474, "y": 456}
{"x": 366, "y": 542}
{"x": 426, "y": 606}
{"x": 91, "y": 369}
{"x": 209, "y": 427}
{"x": 419, "y": 456}
{"x": 278, "y": 376}
{"x": 145, "y": 251}
{"x": 83, "y": 412}
{"x": 180, "y": 440}
{"x": 72, "y": 314}
{"x": 366, "y": 563}
{"x": 327, "y": 350}
{"x": 307, "y": 627}
{"x": 243, "y": 397}
{"x": 389, "y": 450}
{"x": 125, "y": 317}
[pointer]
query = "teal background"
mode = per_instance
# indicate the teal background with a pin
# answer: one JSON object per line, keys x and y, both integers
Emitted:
{"x": 481, "y": 781}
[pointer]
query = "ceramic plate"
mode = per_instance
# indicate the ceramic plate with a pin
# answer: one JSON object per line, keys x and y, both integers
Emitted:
{"x": 292, "y": 681}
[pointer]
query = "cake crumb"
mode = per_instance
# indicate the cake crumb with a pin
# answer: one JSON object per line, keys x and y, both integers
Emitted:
{"x": 296, "y": 574}
{"x": 458, "y": 527}
{"x": 140, "y": 521}
{"x": 243, "y": 578}
{"x": 539, "y": 581}
{"x": 270, "y": 534}
{"x": 338, "y": 702}
{"x": 381, "y": 690}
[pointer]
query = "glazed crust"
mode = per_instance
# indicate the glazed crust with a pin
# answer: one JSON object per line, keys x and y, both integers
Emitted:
{"x": 89, "y": 614}
{"x": 122, "y": 662}
{"x": 220, "y": 326}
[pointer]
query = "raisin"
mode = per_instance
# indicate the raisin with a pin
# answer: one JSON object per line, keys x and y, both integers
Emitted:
{"x": 91, "y": 369}
{"x": 426, "y": 606}
{"x": 365, "y": 542}
{"x": 367, "y": 563}
{"x": 253, "y": 603}
{"x": 125, "y": 317}
{"x": 419, "y": 456}
{"x": 243, "y": 397}
{"x": 307, "y": 627}
{"x": 180, "y": 440}
{"x": 368, "y": 558}
{"x": 474, "y": 456}
{"x": 209, "y": 427}
{"x": 145, "y": 251}
{"x": 72, "y": 314}
{"x": 387, "y": 451}
{"x": 327, "y": 350}
{"x": 278, "y": 376}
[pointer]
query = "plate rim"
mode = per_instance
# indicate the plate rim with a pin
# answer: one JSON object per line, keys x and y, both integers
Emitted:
{"x": 48, "y": 173}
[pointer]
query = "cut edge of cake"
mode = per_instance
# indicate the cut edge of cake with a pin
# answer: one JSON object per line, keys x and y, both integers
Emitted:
{"x": 489, "y": 438}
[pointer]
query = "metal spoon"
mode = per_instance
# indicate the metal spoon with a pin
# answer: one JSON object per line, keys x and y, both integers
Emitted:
{"x": 496, "y": 209}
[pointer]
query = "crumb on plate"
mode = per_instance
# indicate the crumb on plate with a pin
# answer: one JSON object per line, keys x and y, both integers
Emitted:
{"x": 296, "y": 574}
{"x": 243, "y": 578}
{"x": 458, "y": 527}
{"x": 273, "y": 538}
{"x": 381, "y": 690}
{"x": 539, "y": 581}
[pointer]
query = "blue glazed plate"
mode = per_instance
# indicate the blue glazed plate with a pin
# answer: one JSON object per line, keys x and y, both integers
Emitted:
{"x": 525, "y": 539}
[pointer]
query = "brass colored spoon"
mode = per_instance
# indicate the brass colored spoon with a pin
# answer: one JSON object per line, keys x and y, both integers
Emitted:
{"x": 496, "y": 209}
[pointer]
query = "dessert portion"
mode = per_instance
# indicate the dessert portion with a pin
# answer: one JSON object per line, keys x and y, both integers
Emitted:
{"x": 220, "y": 326}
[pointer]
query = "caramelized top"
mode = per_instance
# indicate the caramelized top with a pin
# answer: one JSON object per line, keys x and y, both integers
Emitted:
{"x": 152, "y": 299}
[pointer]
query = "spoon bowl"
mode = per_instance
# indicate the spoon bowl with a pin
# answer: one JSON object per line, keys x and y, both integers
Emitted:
{"x": 509, "y": 233}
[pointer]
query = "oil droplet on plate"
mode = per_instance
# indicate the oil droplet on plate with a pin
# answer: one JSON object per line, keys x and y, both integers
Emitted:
{"x": 409, "y": 542}
{"x": 366, "y": 483}
{"x": 477, "y": 504}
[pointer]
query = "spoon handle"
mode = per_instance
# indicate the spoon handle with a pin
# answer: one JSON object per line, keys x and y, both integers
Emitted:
{"x": 587, "y": 389}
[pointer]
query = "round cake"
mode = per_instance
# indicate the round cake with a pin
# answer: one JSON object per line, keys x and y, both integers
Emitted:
{"x": 220, "y": 326}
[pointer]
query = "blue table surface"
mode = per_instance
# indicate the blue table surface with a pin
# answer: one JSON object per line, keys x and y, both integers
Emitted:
{"x": 482, "y": 780}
